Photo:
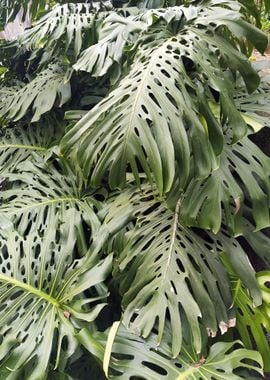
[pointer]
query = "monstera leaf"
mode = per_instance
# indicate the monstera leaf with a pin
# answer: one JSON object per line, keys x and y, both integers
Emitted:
{"x": 149, "y": 120}
{"x": 40, "y": 192}
{"x": 42, "y": 298}
{"x": 21, "y": 144}
{"x": 133, "y": 357}
{"x": 68, "y": 22}
{"x": 222, "y": 194}
{"x": 116, "y": 34}
{"x": 166, "y": 271}
{"x": 253, "y": 324}
{"x": 40, "y": 94}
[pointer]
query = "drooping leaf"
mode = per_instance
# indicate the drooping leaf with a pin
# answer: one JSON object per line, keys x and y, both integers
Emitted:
{"x": 255, "y": 107}
{"x": 42, "y": 298}
{"x": 39, "y": 95}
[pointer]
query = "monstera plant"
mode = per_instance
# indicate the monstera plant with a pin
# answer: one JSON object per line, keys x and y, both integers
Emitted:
{"x": 134, "y": 201}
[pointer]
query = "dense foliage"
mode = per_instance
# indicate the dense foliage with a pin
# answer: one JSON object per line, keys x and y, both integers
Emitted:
{"x": 134, "y": 201}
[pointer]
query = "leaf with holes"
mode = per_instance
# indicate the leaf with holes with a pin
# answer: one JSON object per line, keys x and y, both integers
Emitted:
{"x": 116, "y": 34}
{"x": 39, "y": 95}
{"x": 21, "y": 144}
{"x": 39, "y": 192}
{"x": 150, "y": 121}
{"x": 253, "y": 324}
{"x": 42, "y": 298}
{"x": 166, "y": 271}
{"x": 68, "y": 23}
{"x": 243, "y": 168}
{"x": 134, "y": 357}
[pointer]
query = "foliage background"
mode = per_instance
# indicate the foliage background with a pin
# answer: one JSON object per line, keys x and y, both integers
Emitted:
{"x": 134, "y": 201}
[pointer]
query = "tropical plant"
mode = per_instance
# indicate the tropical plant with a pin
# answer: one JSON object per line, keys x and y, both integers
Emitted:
{"x": 134, "y": 201}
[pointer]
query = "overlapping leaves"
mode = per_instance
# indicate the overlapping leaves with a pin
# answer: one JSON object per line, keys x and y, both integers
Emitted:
{"x": 242, "y": 168}
{"x": 24, "y": 143}
{"x": 68, "y": 23}
{"x": 166, "y": 271}
{"x": 149, "y": 121}
{"x": 132, "y": 356}
{"x": 40, "y": 192}
{"x": 253, "y": 324}
{"x": 39, "y": 95}
{"x": 42, "y": 298}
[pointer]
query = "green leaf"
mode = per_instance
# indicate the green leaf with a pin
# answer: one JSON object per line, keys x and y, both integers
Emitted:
{"x": 39, "y": 95}
{"x": 150, "y": 120}
{"x": 40, "y": 191}
{"x": 253, "y": 323}
{"x": 42, "y": 298}
{"x": 166, "y": 271}
{"x": 116, "y": 37}
{"x": 24, "y": 143}
{"x": 134, "y": 357}
{"x": 243, "y": 168}
{"x": 65, "y": 25}
{"x": 254, "y": 107}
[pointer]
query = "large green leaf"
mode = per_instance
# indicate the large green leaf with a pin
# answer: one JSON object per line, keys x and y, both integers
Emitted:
{"x": 151, "y": 120}
{"x": 242, "y": 167}
{"x": 39, "y": 95}
{"x": 65, "y": 25}
{"x": 167, "y": 271}
{"x": 253, "y": 324}
{"x": 133, "y": 357}
{"x": 41, "y": 292}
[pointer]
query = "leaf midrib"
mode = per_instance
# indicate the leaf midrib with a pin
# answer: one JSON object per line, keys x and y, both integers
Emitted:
{"x": 23, "y": 146}
{"x": 48, "y": 202}
{"x": 29, "y": 288}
